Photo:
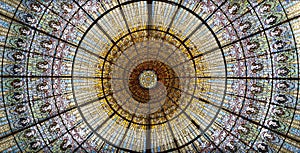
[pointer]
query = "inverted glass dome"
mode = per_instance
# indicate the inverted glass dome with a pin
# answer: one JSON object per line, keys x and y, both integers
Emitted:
{"x": 149, "y": 76}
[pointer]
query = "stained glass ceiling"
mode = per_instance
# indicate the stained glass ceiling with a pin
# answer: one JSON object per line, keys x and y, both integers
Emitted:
{"x": 149, "y": 76}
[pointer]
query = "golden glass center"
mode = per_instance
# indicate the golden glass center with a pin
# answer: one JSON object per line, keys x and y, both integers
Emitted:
{"x": 148, "y": 79}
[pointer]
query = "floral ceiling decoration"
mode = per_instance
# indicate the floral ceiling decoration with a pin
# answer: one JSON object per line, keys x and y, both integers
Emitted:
{"x": 149, "y": 76}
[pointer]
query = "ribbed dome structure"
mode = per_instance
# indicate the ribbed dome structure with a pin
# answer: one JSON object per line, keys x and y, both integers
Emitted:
{"x": 183, "y": 76}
